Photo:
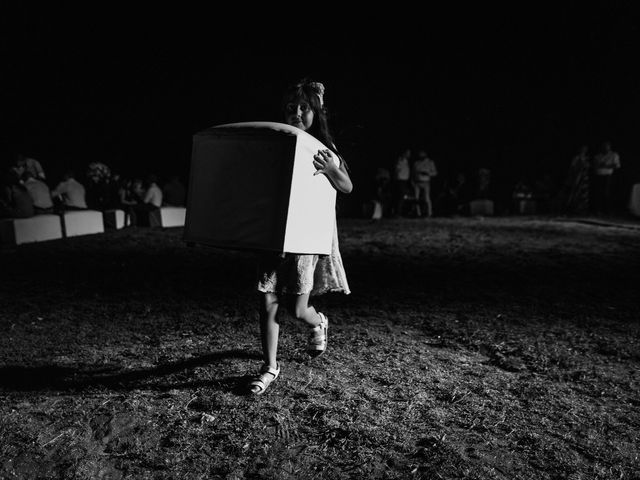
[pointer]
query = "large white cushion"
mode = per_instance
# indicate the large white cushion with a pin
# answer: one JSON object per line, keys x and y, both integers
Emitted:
{"x": 38, "y": 228}
{"x": 82, "y": 222}
{"x": 173, "y": 216}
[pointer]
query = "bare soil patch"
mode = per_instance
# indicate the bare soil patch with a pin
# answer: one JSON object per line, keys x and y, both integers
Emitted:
{"x": 504, "y": 348}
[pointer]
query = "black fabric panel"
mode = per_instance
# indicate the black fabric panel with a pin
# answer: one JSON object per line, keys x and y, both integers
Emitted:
{"x": 239, "y": 188}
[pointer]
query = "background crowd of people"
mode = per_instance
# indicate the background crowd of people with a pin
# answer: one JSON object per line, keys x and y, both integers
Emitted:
{"x": 26, "y": 190}
{"x": 414, "y": 185}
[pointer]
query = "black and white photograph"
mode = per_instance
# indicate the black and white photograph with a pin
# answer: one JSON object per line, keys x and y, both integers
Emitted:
{"x": 315, "y": 241}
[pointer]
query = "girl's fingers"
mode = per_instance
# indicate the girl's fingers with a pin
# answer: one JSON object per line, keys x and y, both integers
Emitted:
{"x": 321, "y": 161}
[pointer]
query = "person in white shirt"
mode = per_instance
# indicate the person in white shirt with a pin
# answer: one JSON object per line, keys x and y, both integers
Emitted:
{"x": 401, "y": 184}
{"x": 153, "y": 195}
{"x": 70, "y": 193}
{"x": 421, "y": 172}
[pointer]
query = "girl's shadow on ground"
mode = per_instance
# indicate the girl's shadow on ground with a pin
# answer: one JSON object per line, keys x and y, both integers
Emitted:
{"x": 162, "y": 378}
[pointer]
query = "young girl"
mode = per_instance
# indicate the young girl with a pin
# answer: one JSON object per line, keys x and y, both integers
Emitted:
{"x": 293, "y": 278}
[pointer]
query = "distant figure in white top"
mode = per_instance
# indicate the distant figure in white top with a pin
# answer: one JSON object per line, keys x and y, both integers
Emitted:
{"x": 421, "y": 172}
{"x": 69, "y": 194}
{"x": 153, "y": 195}
{"x": 605, "y": 163}
{"x": 401, "y": 182}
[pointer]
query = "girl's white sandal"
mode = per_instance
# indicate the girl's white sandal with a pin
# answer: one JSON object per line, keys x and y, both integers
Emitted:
{"x": 263, "y": 379}
{"x": 318, "y": 337}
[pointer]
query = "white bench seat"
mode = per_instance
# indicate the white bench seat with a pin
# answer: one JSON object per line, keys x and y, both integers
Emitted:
{"x": 82, "y": 222}
{"x": 39, "y": 228}
{"x": 167, "y": 217}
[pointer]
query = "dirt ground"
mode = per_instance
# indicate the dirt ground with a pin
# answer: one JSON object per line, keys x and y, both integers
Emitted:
{"x": 480, "y": 348}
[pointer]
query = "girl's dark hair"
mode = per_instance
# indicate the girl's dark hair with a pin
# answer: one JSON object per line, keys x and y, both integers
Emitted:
{"x": 307, "y": 90}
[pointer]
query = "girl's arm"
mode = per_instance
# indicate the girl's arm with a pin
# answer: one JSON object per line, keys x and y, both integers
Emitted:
{"x": 337, "y": 174}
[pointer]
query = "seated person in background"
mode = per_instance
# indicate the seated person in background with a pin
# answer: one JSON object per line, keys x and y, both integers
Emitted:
{"x": 138, "y": 189}
{"x": 33, "y": 166}
{"x": 15, "y": 201}
{"x": 113, "y": 186}
{"x": 174, "y": 193}
{"x": 40, "y": 193}
{"x": 127, "y": 196}
{"x": 153, "y": 193}
{"x": 69, "y": 194}
{"x": 99, "y": 191}
{"x": 151, "y": 201}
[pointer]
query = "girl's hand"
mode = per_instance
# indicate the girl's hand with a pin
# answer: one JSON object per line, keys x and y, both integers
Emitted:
{"x": 324, "y": 162}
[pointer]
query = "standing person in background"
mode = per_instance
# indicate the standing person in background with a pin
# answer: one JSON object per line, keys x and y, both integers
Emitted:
{"x": 401, "y": 183}
{"x": 423, "y": 169}
{"x": 292, "y": 278}
{"x": 381, "y": 195}
{"x": 577, "y": 184}
{"x": 605, "y": 163}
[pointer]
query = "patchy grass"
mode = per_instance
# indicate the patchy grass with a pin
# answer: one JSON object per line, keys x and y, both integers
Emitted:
{"x": 502, "y": 348}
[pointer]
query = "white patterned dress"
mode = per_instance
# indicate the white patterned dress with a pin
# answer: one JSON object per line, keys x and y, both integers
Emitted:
{"x": 300, "y": 274}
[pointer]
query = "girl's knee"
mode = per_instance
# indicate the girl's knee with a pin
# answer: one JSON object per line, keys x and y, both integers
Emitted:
{"x": 298, "y": 309}
{"x": 269, "y": 302}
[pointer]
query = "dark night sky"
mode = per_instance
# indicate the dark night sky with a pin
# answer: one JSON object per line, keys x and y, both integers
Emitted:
{"x": 516, "y": 90}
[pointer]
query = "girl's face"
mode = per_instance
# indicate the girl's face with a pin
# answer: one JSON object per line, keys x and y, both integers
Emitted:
{"x": 299, "y": 114}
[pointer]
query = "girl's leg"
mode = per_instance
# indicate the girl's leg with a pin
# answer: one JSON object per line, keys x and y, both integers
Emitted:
{"x": 269, "y": 328}
{"x": 317, "y": 323}
{"x": 299, "y": 308}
